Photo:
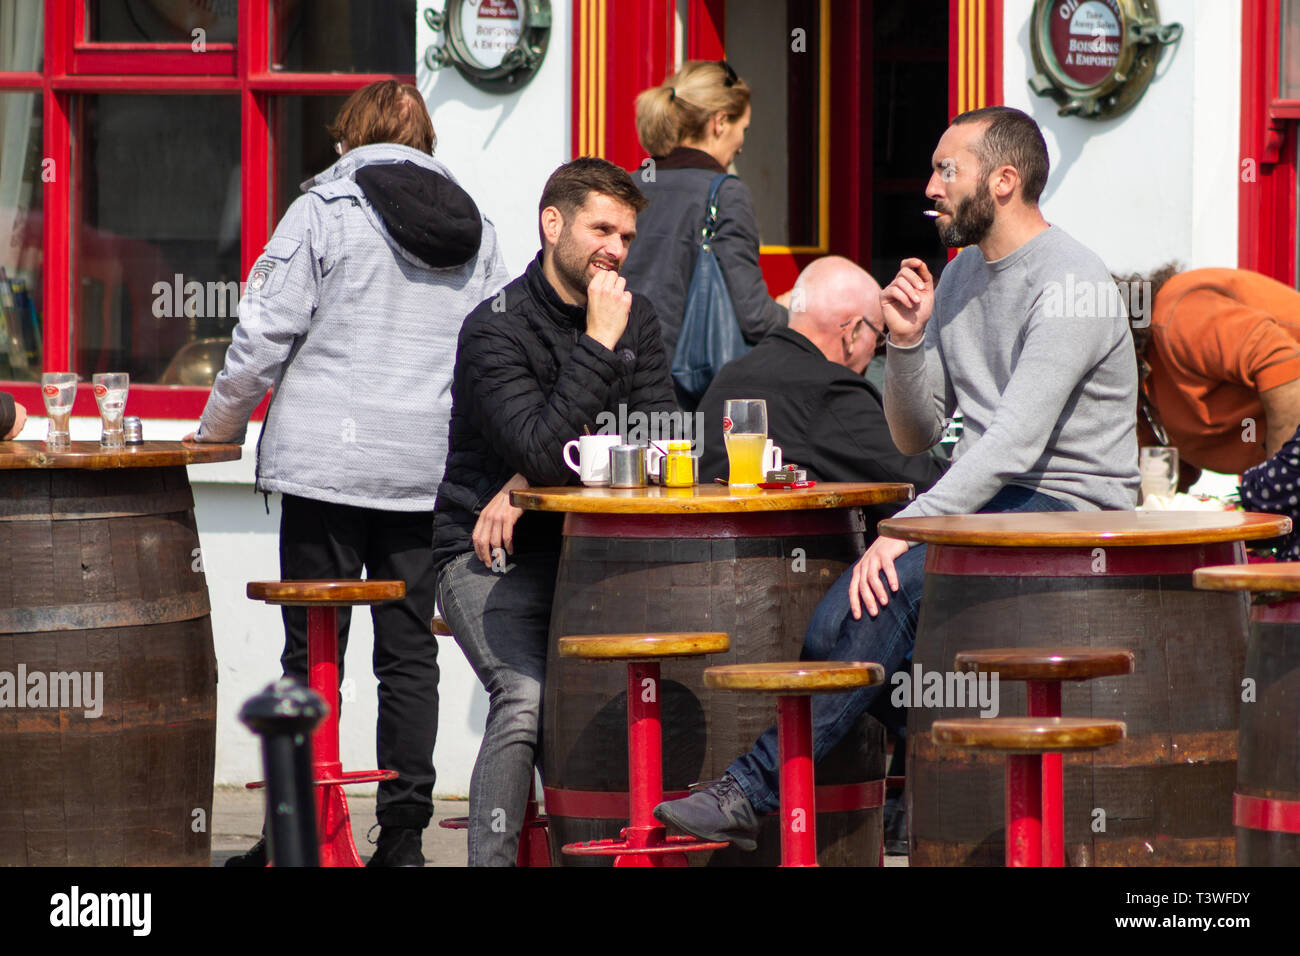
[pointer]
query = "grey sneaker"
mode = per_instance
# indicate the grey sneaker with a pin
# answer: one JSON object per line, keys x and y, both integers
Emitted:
{"x": 718, "y": 810}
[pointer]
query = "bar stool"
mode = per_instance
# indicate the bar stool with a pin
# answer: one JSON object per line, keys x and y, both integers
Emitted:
{"x": 533, "y": 847}
{"x": 1025, "y": 740}
{"x": 322, "y": 599}
{"x": 1044, "y": 668}
{"x": 644, "y": 841}
{"x": 794, "y": 681}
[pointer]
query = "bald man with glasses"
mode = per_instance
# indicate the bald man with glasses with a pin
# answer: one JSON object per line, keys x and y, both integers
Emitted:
{"x": 821, "y": 411}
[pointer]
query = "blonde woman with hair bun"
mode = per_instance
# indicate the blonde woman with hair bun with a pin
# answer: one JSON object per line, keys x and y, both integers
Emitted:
{"x": 692, "y": 127}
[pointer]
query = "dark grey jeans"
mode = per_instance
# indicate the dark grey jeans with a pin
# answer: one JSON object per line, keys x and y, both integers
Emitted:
{"x": 501, "y": 621}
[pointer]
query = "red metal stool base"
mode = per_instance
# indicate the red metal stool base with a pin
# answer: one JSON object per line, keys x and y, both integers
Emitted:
{"x": 663, "y": 851}
{"x": 534, "y": 849}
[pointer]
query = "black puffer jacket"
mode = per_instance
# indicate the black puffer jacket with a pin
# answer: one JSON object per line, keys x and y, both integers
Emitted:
{"x": 529, "y": 379}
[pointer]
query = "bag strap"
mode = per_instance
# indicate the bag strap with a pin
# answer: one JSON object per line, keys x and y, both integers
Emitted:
{"x": 711, "y": 208}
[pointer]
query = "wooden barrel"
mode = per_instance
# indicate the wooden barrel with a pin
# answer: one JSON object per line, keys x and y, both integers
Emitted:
{"x": 104, "y": 603}
{"x": 757, "y": 577}
{"x": 1266, "y": 804}
{"x": 1112, "y": 579}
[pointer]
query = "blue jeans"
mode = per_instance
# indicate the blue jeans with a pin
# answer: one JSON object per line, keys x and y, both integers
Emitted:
{"x": 501, "y": 621}
{"x": 887, "y": 639}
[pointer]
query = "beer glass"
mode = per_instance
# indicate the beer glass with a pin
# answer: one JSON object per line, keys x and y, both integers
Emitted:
{"x": 110, "y": 396}
{"x": 744, "y": 429}
{"x": 59, "y": 389}
{"x": 1158, "y": 465}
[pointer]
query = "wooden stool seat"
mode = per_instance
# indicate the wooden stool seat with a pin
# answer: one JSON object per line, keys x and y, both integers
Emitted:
{"x": 634, "y": 647}
{"x": 329, "y": 593}
{"x": 439, "y": 627}
{"x": 1073, "y": 529}
{"x": 795, "y": 677}
{"x": 1046, "y": 663}
{"x": 1283, "y": 576}
{"x": 1028, "y": 735}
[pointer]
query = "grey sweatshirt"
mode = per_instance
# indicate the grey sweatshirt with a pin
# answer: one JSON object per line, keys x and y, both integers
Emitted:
{"x": 1034, "y": 350}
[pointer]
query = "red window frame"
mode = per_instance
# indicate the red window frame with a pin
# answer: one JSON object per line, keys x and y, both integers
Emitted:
{"x": 72, "y": 66}
{"x": 1266, "y": 189}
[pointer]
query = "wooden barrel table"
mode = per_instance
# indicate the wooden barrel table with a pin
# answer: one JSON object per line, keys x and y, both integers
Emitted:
{"x": 107, "y": 670}
{"x": 1266, "y": 804}
{"x": 750, "y": 563}
{"x": 1163, "y": 797}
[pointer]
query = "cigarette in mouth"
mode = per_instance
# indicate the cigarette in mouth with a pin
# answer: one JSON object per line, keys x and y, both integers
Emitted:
{"x": 932, "y": 213}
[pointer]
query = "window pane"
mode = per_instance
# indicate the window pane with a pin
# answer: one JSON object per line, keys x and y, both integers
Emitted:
{"x": 301, "y": 146}
{"x": 157, "y": 236}
{"x": 21, "y": 301}
{"x": 22, "y": 39}
{"x": 161, "y": 21}
{"x": 343, "y": 36}
{"x": 780, "y": 159}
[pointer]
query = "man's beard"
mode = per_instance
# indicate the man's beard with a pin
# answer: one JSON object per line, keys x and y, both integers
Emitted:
{"x": 571, "y": 267}
{"x": 971, "y": 221}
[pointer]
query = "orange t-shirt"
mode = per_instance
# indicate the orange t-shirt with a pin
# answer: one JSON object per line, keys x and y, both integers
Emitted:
{"x": 1219, "y": 337}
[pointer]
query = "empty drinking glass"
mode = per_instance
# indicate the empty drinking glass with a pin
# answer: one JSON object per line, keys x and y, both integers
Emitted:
{"x": 1158, "y": 466}
{"x": 59, "y": 389}
{"x": 110, "y": 395}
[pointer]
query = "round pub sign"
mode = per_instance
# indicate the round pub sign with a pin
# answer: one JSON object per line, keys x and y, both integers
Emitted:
{"x": 1096, "y": 57}
{"x": 495, "y": 44}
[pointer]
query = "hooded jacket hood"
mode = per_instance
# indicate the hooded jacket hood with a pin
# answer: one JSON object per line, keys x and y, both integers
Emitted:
{"x": 417, "y": 205}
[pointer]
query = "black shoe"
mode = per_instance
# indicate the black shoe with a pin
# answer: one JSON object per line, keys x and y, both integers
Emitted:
{"x": 895, "y": 827}
{"x": 716, "y": 811}
{"x": 398, "y": 846}
{"x": 254, "y": 856}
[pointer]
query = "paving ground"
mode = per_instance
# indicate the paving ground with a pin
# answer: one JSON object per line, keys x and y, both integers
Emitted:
{"x": 237, "y": 824}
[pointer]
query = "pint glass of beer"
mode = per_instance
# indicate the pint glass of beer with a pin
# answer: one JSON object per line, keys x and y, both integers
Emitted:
{"x": 744, "y": 429}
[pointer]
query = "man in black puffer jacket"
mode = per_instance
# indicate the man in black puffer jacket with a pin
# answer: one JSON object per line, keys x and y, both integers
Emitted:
{"x": 535, "y": 365}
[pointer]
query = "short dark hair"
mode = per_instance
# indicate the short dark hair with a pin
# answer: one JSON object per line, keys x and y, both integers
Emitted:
{"x": 569, "y": 186}
{"x": 1012, "y": 138}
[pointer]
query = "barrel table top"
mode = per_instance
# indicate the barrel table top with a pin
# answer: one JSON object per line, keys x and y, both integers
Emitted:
{"x": 1282, "y": 576}
{"x": 1075, "y": 529}
{"x": 708, "y": 499}
{"x": 88, "y": 455}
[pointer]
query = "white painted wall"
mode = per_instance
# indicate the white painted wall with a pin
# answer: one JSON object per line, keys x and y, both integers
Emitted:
{"x": 1160, "y": 181}
{"x": 503, "y": 148}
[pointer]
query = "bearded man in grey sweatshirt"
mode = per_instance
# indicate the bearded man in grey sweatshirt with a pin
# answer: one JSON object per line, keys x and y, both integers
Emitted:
{"x": 1047, "y": 392}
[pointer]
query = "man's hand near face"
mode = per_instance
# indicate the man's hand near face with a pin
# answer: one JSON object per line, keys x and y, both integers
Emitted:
{"x": 907, "y": 302}
{"x": 608, "y": 305}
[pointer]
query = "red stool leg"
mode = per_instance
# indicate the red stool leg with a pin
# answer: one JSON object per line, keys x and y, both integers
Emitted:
{"x": 1045, "y": 701}
{"x": 1024, "y": 809}
{"x": 645, "y": 766}
{"x": 534, "y": 849}
{"x": 334, "y": 825}
{"x": 798, "y": 807}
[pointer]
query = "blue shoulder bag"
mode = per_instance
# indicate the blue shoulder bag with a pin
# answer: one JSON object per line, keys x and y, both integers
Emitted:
{"x": 710, "y": 335}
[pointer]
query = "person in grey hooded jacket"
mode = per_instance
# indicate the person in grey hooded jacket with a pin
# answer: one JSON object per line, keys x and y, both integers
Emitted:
{"x": 351, "y": 316}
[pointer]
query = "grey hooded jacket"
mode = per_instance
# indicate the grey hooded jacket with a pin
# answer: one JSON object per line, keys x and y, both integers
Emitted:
{"x": 357, "y": 335}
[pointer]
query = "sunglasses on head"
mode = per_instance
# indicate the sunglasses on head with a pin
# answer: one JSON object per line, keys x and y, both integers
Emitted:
{"x": 732, "y": 79}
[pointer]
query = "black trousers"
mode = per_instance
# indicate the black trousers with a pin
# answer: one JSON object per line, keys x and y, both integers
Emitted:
{"x": 322, "y": 540}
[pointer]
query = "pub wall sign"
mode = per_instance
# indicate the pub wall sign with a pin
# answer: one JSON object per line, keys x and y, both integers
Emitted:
{"x": 1096, "y": 57}
{"x": 497, "y": 45}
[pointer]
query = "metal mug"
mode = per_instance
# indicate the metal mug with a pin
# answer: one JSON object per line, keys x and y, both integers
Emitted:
{"x": 627, "y": 466}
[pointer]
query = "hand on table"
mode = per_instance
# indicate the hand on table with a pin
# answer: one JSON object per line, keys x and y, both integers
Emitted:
{"x": 906, "y": 302}
{"x": 495, "y": 527}
{"x": 865, "y": 588}
{"x": 20, "y": 419}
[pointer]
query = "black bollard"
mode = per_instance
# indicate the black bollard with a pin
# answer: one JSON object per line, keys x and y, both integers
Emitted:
{"x": 284, "y": 715}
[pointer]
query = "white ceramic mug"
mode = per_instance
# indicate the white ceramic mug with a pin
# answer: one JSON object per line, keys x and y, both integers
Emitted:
{"x": 771, "y": 457}
{"x": 592, "y": 465}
